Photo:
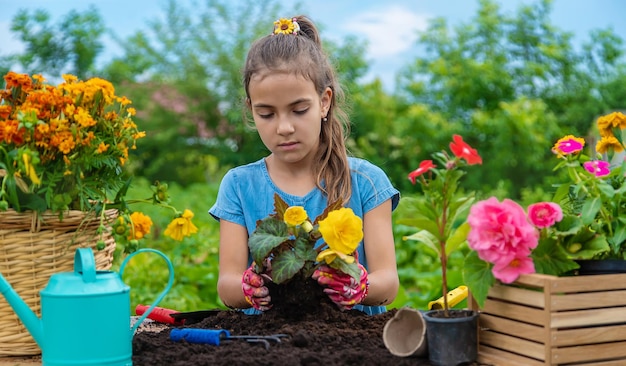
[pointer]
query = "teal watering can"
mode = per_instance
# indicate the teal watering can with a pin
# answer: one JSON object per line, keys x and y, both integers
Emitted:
{"x": 85, "y": 314}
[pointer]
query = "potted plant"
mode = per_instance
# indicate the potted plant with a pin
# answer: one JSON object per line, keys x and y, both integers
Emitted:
{"x": 65, "y": 149}
{"x": 524, "y": 270}
{"x": 440, "y": 217}
{"x": 63, "y": 184}
{"x": 586, "y": 220}
{"x": 288, "y": 246}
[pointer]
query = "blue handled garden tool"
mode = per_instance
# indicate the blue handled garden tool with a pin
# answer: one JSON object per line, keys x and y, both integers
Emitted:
{"x": 216, "y": 336}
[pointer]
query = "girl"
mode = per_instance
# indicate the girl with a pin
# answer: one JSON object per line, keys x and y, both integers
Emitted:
{"x": 294, "y": 98}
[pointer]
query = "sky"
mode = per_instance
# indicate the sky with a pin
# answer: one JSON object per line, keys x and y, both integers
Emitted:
{"x": 390, "y": 27}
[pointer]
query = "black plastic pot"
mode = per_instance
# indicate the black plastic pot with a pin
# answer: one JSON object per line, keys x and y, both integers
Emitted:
{"x": 600, "y": 266}
{"x": 452, "y": 341}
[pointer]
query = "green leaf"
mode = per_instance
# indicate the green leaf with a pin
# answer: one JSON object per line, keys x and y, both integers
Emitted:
{"x": 590, "y": 210}
{"x": 457, "y": 237}
{"x": 561, "y": 193}
{"x": 569, "y": 225}
{"x": 268, "y": 235}
{"x": 477, "y": 277}
{"x": 619, "y": 234}
{"x": 427, "y": 238}
{"x": 550, "y": 258}
{"x": 593, "y": 247}
{"x": 304, "y": 250}
{"x": 351, "y": 269}
{"x": 285, "y": 265}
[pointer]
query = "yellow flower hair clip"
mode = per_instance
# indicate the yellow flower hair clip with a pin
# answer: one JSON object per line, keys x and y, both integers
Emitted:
{"x": 286, "y": 26}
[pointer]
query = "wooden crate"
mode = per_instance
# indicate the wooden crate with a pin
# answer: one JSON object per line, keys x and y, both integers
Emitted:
{"x": 549, "y": 320}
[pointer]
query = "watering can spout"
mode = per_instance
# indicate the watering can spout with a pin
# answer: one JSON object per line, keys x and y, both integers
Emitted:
{"x": 30, "y": 320}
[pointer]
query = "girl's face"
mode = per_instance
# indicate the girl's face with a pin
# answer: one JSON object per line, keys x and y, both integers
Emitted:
{"x": 287, "y": 112}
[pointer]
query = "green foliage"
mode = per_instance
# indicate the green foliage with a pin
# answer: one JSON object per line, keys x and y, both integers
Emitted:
{"x": 291, "y": 246}
{"x": 68, "y": 46}
{"x": 195, "y": 259}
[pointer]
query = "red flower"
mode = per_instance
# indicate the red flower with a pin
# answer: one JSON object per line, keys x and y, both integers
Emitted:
{"x": 464, "y": 151}
{"x": 424, "y": 167}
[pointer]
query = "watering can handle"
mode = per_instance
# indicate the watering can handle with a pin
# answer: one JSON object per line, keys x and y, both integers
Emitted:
{"x": 85, "y": 264}
{"x": 170, "y": 282}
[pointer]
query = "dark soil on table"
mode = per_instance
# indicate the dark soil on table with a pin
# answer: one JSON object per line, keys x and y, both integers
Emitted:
{"x": 327, "y": 337}
{"x": 317, "y": 333}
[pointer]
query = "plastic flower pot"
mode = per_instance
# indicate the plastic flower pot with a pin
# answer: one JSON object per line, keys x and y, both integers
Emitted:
{"x": 454, "y": 340}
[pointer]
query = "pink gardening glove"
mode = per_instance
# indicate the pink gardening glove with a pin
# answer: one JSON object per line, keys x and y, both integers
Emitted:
{"x": 341, "y": 288}
{"x": 254, "y": 289}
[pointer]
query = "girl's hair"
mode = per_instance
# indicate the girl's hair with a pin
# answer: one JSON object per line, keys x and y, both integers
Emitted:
{"x": 302, "y": 54}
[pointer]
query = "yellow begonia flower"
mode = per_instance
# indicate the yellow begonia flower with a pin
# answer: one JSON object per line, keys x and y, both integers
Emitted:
{"x": 329, "y": 255}
{"x": 295, "y": 215}
{"x": 30, "y": 169}
{"x": 141, "y": 225}
{"x": 181, "y": 226}
{"x": 342, "y": 230}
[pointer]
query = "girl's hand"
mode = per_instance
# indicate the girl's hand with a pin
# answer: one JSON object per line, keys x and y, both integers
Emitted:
{"x": 255, "y": 291}
{"x": 342, "y": 288}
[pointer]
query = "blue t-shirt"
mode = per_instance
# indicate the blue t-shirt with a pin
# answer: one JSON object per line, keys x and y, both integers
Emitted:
{"x": 246, "y": 195}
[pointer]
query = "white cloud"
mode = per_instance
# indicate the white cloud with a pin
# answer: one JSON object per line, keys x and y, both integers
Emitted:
{"x": 389, "y": 31}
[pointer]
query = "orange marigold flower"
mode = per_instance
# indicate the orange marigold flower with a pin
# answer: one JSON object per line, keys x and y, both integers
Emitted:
{"x": 610, "y": 121}
{"x": 102, "y": 148}
{"x": 609, "y": 143}
{"x": 141, "y": 225}
{"x": 5, "y": 111}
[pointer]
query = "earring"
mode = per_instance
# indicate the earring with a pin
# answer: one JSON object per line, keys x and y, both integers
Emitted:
{"x": 324, "y": 119}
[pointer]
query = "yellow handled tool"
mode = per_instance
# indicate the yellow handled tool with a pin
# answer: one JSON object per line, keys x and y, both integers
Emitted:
{"x": 454, "y": 297}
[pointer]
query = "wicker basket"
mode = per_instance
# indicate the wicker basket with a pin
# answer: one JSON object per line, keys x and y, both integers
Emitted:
{"x": 32, "y": 248}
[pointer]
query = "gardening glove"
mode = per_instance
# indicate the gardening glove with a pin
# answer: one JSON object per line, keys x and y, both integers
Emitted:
{"x": 341, "y": 288}
{"x": 254, "y": 289}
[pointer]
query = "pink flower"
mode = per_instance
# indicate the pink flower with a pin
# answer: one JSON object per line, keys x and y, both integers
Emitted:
{"x": 544, "y": 214}
{"x": 568, "y": 145}
{"x": 507, "y": 272}
{"x": 599, "y": 168}
{"x": 500, "y": 231}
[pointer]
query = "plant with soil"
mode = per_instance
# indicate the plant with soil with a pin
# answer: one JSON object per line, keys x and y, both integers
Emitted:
{"x": 287, "y": 246}
{"x": 440, "y": 214}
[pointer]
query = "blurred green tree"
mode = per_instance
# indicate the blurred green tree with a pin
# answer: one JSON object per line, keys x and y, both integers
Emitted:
{"x": 68, "y": 46}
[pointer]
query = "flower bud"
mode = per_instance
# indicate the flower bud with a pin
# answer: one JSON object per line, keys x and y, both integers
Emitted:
{"x": 307, "y": 226}
{"x": 100, "y": 245}
{"x": 574, "y": 248}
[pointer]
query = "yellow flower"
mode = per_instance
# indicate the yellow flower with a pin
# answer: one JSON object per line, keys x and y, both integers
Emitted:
{"x": 286, "y": 26}
{"x": 295, "y": 215}
{"x": 181, "y": 226}
{"x": 102, "y": 148}
{"x": 141, "y": 225}
{"x": 330, "y": 255}
{"x": 609, "y": 143}
{"x": 613, "y": 120}
{"x": 30, "y": 169}
{"x": 342, "y": 230}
